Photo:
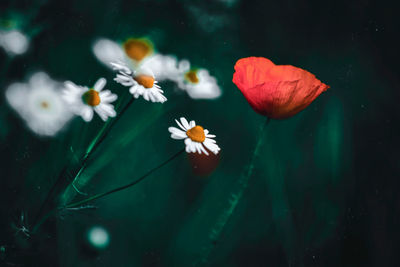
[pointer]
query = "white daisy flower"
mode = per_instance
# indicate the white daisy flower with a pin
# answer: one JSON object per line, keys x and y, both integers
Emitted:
{"x": 198, "y": 83}
{"x": 40, "y": 104}
{"x": 136, "y": 53}
{"x": 141, "y": 82}
{"x": 84, "y": 101}
{"x": 14, "y": 42}
{"x": 133, "y": 52}
{"x": 197, "y": 139}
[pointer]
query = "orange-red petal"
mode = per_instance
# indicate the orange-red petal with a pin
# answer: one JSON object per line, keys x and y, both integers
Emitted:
{"x": 251, "y": 71}
{"x": 276, "y": 91}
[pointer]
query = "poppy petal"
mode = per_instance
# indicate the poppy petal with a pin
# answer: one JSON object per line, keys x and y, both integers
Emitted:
{"x": 251, "y": 71}
{"x": 276, "y": 91}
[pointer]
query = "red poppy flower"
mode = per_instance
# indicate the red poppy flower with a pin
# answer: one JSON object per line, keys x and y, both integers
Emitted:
{"x": 276, "y": 91}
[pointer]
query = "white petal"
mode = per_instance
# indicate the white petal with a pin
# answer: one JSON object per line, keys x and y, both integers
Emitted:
{"x": 40, "y": 79}
{"x": 107, "y": 96}
{"x": 211, "y": 146}
{"x": 185, "y": 123}
{"x": 197, "y": 146}
{"x": 107, "y": 51}
{"x": 187, "y": 149}
{"x": 70, "y": 85}
{"x": 121, "y": 67}
{"x": 162, "y": 99}
{"x": 153, "y": 99}
{"x": 206, "y": 132}
{"x": 180, "y": 125}
{"x": 193, "y": 147}
{"x": 190, "y": 145}
{"x": 101, "y": 113}
{"x": 177, "y": 133}
{"x": 108, "y": 109}
{"x": 99, "y": 85}
{"x": 14, "y": 42}
{"x": 184, "y": 65}
{"x": 123, "y": 78}
{"x": 156, "y": 95}
{"x": 146, "y": 96}
{"x": 124, "y": 82}
{"x": 203, "y": 149}
{"x": 87, "y": 114}
{"x": 143, "y": 70}
{"x": 16, "y": 94}
{"x": 210, "y": 140}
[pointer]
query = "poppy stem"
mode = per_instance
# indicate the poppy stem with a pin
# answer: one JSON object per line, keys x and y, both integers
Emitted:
{"x": 257, "y": 147}
{"x": 236, "y": 195}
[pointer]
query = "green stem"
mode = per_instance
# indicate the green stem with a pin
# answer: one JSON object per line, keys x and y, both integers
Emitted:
{"x": 97, "y": 196}
{"x": 97, "y": 141}
{"x": 49, "y": 196}
{"x": 257, "y": 148}
{"x": 42, "y": 220}
{"x": 100, "y": 137}
{"x": 234, "y": 200}
{"x": 92, "y": 147}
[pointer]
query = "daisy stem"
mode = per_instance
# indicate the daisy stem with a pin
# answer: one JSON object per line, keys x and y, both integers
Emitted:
{"x": 94, "y": 144}
{"x": 92, "y": 147}
{"x": 97, "y": 196}
{"x": 49, "y": 195}
{"x": 100, "y": 137}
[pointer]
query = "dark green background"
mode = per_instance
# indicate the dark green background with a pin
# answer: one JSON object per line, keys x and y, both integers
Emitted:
{"x": 324, "y": 188}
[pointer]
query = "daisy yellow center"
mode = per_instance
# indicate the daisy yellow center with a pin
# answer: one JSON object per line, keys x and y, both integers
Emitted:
{"x": 196, "y": 134}
{"x": 145, "y": 80}
{"x": 44, "y": 104}
{"x": 91, "y": 98}
{"x": 137, "y": 49}
{"x": 191, "y": 76}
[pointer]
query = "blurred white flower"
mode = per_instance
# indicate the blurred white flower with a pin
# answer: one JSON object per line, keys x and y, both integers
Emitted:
{"x": 136, "y": 53}
{"x": 138, "y": 50}
{"x": 164, "y": 67}
{"x": 98, "y": 237}
{"x": 107, "y": 51}
{"x": 133, "y": 52}
{"x": 14, "y": 42}
{"x": 40, "y": 104}
{"x": 84, "y": 101}
{"x": 198, "y": 83}
{"x": 141, "y": 82}
{"x": 196, "y": 137}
